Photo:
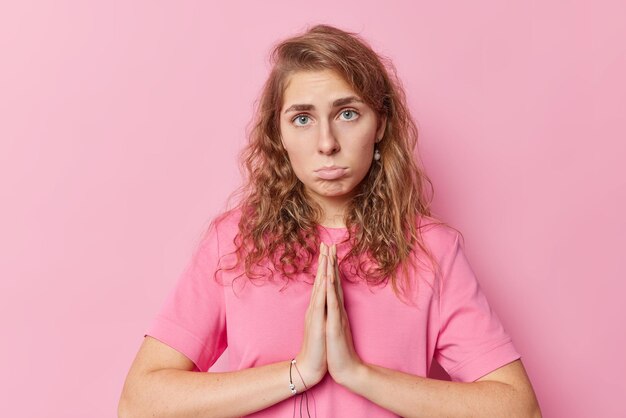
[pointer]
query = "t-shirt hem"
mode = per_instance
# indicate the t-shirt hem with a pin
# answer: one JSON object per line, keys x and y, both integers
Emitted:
{"x": 480, "y": 365}
{"x": 181, "y": 340}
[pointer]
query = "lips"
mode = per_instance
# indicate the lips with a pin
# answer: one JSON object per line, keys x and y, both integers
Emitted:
{"x": 331, "y": 173}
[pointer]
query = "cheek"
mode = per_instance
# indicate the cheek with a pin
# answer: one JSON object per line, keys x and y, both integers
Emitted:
{"x": 364, "y": 151}
{"x": 298, "y": 162}
{"x": 298, "y": 150}
{"x": 363, "y": 158}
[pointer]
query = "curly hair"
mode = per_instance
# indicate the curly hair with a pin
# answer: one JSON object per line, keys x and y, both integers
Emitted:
{"x": 278, "y": 221}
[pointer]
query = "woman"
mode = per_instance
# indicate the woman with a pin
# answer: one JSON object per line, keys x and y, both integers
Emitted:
{"x": 354, "y": 286}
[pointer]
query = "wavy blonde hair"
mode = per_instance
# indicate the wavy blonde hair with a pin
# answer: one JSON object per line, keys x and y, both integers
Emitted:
{"x": 278, "y": 222}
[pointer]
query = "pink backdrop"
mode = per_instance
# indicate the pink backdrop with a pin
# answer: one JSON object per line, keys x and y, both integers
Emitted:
{"x": 120, "y": 122}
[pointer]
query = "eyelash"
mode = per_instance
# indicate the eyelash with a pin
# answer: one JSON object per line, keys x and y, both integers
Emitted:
{"x": 343, "y": 111}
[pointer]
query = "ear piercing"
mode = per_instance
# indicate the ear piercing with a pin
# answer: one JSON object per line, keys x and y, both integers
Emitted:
{"x": 376, "y": 153}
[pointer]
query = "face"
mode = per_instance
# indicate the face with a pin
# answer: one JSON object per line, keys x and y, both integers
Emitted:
{"x": 324, "y": 123}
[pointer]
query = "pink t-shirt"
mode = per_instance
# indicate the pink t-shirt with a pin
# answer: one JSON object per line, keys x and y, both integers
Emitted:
{"x": 260, "y": 324}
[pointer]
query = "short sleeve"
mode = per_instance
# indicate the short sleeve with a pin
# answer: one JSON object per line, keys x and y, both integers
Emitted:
{"x": 472, "y": 341}
{"x": 192, "y": 319}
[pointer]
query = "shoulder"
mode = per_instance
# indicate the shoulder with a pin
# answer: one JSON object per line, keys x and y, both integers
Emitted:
{"x": 227, "y": 222}
{"x": 440, "y": 237}
{"x": 219, "y": 230}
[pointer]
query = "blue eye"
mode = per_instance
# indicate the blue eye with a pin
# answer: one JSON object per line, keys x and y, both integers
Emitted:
{"x": 300, "y": 117}
{"x": 304, "y": 116}
{"x": 350, "y": 111}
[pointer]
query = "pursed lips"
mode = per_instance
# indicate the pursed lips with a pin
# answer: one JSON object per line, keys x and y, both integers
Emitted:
{"x": 330, "y": 173}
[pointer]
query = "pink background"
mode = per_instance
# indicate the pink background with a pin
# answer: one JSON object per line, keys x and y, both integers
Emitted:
{"x": 120, "y": 123}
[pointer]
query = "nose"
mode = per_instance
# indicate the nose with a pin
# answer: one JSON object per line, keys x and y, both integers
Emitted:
{"x": 327, "y": 143}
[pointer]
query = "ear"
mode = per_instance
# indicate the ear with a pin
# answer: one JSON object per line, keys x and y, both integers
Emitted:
{"x": 381, "y": 128}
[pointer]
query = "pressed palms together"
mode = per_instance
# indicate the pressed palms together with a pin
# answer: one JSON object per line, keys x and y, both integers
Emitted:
{"x": 327, "y": 344}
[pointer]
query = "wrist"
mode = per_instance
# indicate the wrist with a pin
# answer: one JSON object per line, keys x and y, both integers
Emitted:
{"x": 311, "y": 375}
{"x": 300, "y": 378}
{"x": 356, "y": 377}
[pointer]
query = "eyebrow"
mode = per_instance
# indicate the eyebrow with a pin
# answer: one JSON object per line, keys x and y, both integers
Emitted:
{"x": 339, "y": 102}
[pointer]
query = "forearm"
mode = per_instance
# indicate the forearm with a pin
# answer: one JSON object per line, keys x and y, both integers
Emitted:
{"x": 181, "y": 393}
{"x": 414, "y": 396}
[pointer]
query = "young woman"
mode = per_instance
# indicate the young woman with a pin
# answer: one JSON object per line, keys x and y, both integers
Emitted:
{"x": 330, "y": 282}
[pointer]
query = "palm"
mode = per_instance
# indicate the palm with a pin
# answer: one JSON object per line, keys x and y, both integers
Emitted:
{"x": 342, "y": 358}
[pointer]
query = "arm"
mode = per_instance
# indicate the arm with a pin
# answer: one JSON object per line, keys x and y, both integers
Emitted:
{"x": 162, "y": 382}
{"x": 151, "y": 389}
{"x": 181, "y": 393}
{"x": 503, "y": 392}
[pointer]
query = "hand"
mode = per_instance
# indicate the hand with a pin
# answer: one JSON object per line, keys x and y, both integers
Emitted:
{"x": 311, "y": 360}
{"x": 343, "y": 361}
{"x": 327, "y": 344}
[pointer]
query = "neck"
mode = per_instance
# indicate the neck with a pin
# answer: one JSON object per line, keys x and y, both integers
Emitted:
{"x": 333, "y": 211}
{"x": 335, "y": 222}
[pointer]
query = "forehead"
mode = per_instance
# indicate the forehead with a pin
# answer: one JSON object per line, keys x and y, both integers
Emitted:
{"x": 306, "y": 86}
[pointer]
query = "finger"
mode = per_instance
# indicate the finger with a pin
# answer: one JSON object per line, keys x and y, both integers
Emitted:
{"x": 329, "y": 270}
{"x": 324, "y": 259}
{"x": 337, "y": 275}
{"x": 323, "y": 254}
{"x": 331, "y": 290}
{"x": 320, "y": 272}
{"x": 323, "y": 264}
{"x": 319, "y": 303}
{"x": 319, "y": 277}
{"x": 333, "y": 266}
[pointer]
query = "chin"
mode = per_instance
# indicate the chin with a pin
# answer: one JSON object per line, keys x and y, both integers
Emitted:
{"x": 336, "y": 193}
